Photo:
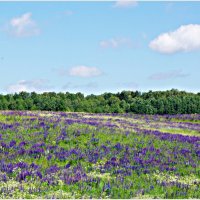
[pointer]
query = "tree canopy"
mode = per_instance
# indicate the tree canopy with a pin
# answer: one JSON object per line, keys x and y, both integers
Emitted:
{"x": 152, "y": 102}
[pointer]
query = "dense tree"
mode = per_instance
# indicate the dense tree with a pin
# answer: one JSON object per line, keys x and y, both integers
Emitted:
{"x": 152, "y": 102}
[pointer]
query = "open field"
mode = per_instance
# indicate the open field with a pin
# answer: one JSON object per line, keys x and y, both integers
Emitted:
{"x": 81, "y": 155}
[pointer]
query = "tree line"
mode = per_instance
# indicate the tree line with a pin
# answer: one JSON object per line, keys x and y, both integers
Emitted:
{"x": 151, "y": 102}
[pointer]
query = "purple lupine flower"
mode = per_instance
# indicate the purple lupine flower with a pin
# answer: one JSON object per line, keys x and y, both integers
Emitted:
{"x": 67, "y": 166}
{"x": 22, "y": 175}
{"x": 49, "y": 157}
{"x": 118, "y": 146}
{"x": 21, "y": 165}
{"x": 4, "y": 145}
{"x": 3, "y": 177}
{"x": 23, "y": 143}
{"x": 12, "y": 143}
{"x": 39, "y": 174}
{"x": 52, "y": 169}
{"x": 21, "y": 151}
{"x": 34, "y": 166}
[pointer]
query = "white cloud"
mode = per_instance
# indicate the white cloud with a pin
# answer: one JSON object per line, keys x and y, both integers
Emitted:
{"x": 185, "y": 38}
{"x": 38, "y": 85}
{"x": 125, "y": 3}
{"x": 168, "y": 75}
{"x": 84, "y": 71}
{"x": 23, "y": 26}
{"x": 116, "y": 42}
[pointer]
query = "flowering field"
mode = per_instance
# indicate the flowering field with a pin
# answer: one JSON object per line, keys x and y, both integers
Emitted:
{"x": 81, "y": 155}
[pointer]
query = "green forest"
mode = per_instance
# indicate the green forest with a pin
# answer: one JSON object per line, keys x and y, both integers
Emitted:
{"x": 152, "y": 102}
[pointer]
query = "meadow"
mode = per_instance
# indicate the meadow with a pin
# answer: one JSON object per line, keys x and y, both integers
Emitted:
{"x": 82, "y": 155}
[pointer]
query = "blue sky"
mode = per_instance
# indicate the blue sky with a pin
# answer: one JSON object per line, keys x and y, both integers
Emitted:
{"x": 96, "y": 47}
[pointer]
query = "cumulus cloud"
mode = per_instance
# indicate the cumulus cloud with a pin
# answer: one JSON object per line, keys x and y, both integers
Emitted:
{"x": 38, "y": 85}
{"x": 84, "y": 71}
{"x": 168, "y": 75}
{"x": 116, "y": 42}
{"x": 185, "y": 38}
{"x": 125, "y": 3}
{"x": 23, "y": 26}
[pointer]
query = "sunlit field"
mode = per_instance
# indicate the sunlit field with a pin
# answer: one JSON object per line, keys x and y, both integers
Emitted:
{"x": 81, "y": 155}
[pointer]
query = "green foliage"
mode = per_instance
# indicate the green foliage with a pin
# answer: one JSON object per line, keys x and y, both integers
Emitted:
{"x": 157, "y": 102}
{"x": 111, "y": 163}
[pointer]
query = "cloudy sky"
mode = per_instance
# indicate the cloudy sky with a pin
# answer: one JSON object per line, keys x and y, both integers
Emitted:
{"x": 96, "y": 47}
